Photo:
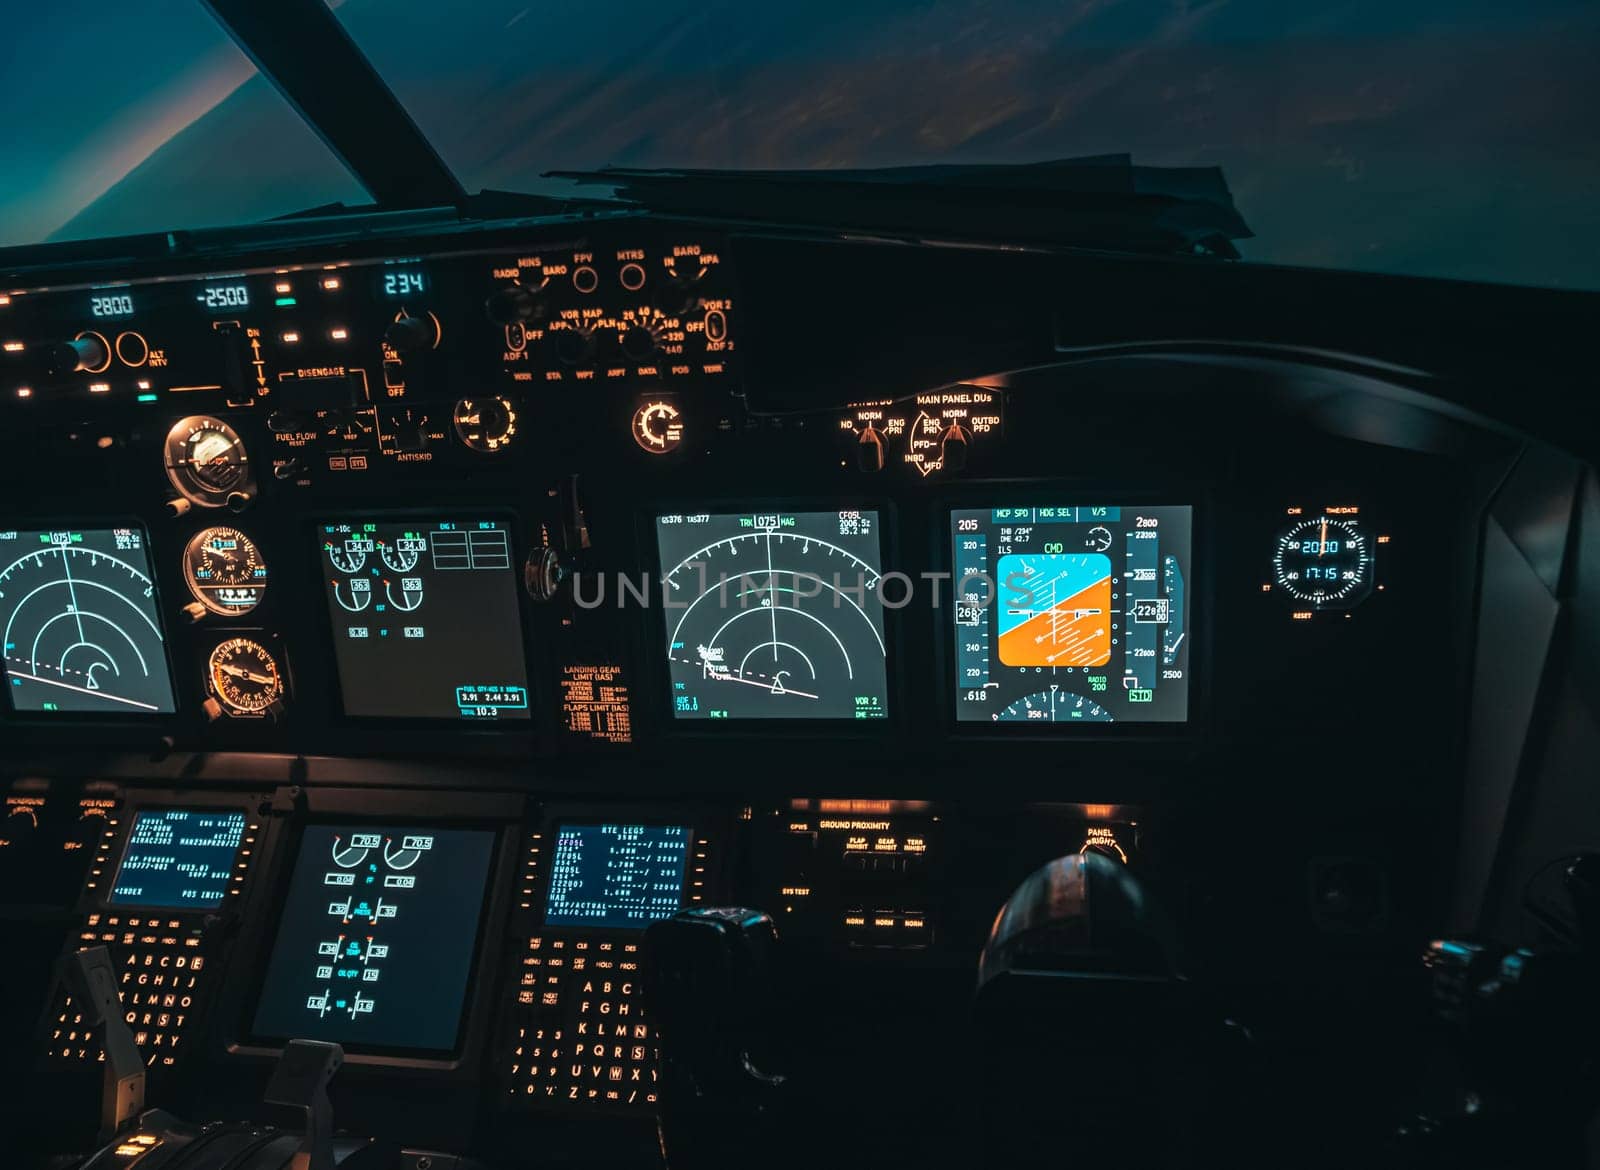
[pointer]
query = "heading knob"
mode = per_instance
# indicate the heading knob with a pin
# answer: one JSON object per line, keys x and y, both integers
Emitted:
{"x": 406, "y": 332}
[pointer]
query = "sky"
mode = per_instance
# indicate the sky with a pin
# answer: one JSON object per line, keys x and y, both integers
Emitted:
{"x": 1418, "y": 136}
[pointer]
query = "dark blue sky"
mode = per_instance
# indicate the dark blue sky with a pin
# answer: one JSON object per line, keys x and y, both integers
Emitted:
{"x": 1454, "y": 139}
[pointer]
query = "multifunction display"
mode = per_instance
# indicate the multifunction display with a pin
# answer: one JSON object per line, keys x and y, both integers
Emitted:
{"x": 178, "y": 859}
{"x": 1067, "y": 614}
{"x": 617, "y": 876}
{"x": 426, "y": 623}
{"x": 376, "y": 941}
{"x": 774, "y": 615}
{"x": 81, "y": 631}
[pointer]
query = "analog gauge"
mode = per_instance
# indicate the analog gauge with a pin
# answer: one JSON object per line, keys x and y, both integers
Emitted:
{"x": 1325, "y": 562}
{"x": 244, "y": 677}
{"x": 350, "y": 554}
{"x": 206, "y": 462}
{"x": 225, "y": 571}
{"x": 658, "y": 426}
{"x": 1053, "y": 706}
{"x": 401, "y": 554}
{"x": 486, "y": 425}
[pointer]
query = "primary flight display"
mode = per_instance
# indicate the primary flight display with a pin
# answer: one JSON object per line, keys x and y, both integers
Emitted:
{"x": 774, "y": 615}
{"x": 1068, "y": 614}
{"x": 81, "y": 630}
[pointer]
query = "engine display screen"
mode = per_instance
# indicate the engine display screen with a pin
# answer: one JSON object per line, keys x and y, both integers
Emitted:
{"x": 79, "y": 624}
{"x": 426, "y": 623}
{"x": 1071, "y": 614}
{"x": 774, "y": 615}
{"x": 377, "y": 937}
{"x": 617, "y": 876}
{"x": 178, "y": 859}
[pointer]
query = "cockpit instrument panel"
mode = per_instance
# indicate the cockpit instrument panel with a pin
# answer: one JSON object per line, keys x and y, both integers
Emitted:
{"x": 377, "y": 938}
{"x": 774, "y": 615}
{"x": 1071, "y": 614}
{"x": 426, "y": 620}
{"x": 79, "y": 624}
{"x": 178, "y": 858}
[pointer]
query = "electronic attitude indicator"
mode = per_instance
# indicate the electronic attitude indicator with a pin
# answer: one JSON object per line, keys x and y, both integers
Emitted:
{"x": 78, "y": 623}
{"x": 774, "y": 615}
{"x": 1325, "y": 562}
{"x": 244, "y": 678}
{"x": 225, "y": 571}
{"x": 1071, "y": 614}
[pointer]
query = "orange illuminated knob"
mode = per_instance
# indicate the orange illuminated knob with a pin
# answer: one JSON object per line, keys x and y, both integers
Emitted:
{"x": 18, "y": 826}
{"x": 869, "y": 450}
{"x": 953, "y": 448}
{"x": 88, "y": 352}
{"x": 511, "y": 305}
{"x": 406, "y": 332}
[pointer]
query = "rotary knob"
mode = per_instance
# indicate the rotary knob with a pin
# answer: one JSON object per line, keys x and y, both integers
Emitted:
{"x": 953, "y": 448}
{"x": 512, "y": 304}
{"x": 88, "y": 351}
{"x": 870, "y": 450}
{"x": 407, "y": 333}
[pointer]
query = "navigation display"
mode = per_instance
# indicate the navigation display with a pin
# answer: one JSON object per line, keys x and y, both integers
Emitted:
{"x": 426, "y": 623}
{"x": 81, "y": 631}
{"x": 774, "y": 615}
{"x": 178, "y": 859}
{"x": 617, "y": 876}
{"x": 377, "y": 936}
{"x": 1068, "y": 614}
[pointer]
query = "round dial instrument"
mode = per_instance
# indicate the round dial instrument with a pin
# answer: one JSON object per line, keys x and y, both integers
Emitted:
{"x": 225, "y": 571}
{"x": 658, "y": 426}
{"x": 244, "y": 677}
{"x": 1053, "y": 706}
{"x": 206, "y": 461}
{"x": 485, "y": 425}
{"x": 1324, "y": 562}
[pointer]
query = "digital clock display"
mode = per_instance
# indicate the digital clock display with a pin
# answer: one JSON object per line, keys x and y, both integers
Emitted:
{"x": 222, "y": 297}
{"x": 109, "y": 304}
{"x": 403, "y": 282}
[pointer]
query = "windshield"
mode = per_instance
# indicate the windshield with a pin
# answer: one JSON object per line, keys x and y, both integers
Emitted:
{"x": 124, "y": 118}
{"x": 1447, "y": 138}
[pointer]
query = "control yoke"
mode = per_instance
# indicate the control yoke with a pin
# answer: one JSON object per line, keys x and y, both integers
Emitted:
{"x": 93, "y": 982}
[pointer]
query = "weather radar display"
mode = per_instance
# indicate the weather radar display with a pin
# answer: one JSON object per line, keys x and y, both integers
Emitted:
{"x": 774, "y": 615}
{"x": 1071, "y": 614}
{"x": 82, "y": 633}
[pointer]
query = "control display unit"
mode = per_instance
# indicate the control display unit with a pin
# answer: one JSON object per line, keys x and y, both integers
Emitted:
{"x": 774, "y": 615}
{"x": 617, "y": 876}
{"x": 178, "y": 859}
{"x": 377, "y": 937}
{"x": 426, "y": 620}
{"x": 79, "y": 623}
{"x": 1071, "y": 614}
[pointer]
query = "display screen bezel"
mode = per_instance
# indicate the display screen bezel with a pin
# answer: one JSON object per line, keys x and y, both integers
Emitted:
{"x": 565, "y": 823}
{"x": 666, "y": 723}
{"x": 1047, "y": 492}
{"x": 339, "y": 714}
{"x": 475, "y": 988}
{"x": 109, "y": 900}
{"x": 147, "y": 719}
